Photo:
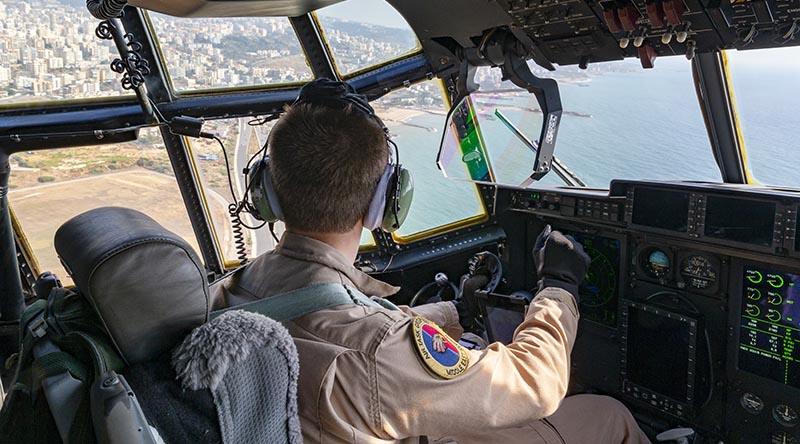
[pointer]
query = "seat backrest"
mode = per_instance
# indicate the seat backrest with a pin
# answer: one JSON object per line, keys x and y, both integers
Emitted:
{"x": 146, "y": 283}
{"x": 249, "y": 363}
{"x": 148, "y": 288}
{"x": 238, "y": 373}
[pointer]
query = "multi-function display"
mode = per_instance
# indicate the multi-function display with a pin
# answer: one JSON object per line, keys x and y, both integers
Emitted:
{"x": 664, "y": 209}
{"x": 770, "y": 325}
{"x": 600, "y": 287}
{"x": 740, "y": 220}
{"x": 660, "y": 349}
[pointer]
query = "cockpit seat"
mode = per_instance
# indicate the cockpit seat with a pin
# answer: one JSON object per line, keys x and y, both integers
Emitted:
{"x": 231, "y": 380}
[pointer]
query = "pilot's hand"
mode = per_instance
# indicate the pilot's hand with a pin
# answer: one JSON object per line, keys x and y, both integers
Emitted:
{"x": 560, "y": 261}
{"x": 467, "y": 303}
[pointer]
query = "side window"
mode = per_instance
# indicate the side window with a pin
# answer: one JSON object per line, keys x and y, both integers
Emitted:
{"x": 243, "y": 138}
{"x": 50, "y": 52}
{"x": 415, "y": 117}
{"x": 364, "y": 33}
{"x": 50, "y": 187}
{"x": 766, "y": 89}
{"x": 241, "y": 51}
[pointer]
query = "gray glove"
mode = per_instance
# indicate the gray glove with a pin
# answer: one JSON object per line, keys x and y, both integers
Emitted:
{"x": 560, "y": 261}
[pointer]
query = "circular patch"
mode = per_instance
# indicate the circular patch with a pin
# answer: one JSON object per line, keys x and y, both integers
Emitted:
{"x": 446, "y": 357}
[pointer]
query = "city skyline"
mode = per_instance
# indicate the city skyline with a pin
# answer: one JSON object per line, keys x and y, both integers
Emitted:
{"x": 53, "y": 53}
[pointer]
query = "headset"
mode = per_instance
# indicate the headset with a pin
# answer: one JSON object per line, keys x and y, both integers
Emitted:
{"x": 394, "y": 191}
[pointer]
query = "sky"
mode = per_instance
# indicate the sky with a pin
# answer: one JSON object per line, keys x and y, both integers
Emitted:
{"x": 376, "y": 12}
{"x": 783, "y": 58}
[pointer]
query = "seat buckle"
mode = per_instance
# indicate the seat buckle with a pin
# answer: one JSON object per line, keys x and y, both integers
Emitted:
{"x": 38, "y": 326}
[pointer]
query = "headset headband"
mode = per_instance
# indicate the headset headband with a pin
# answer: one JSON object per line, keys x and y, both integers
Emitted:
{"x": 334, "y": 94}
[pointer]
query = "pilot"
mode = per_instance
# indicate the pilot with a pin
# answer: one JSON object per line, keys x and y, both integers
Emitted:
{"x": 368, "y": 373}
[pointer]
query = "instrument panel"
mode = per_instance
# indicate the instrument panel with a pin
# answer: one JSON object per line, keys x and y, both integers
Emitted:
{"x": 691, "y": 306}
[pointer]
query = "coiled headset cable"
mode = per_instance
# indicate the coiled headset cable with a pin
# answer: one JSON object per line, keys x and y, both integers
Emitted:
{"x": 192, "y": 127}
{"x": 233, "y": 211}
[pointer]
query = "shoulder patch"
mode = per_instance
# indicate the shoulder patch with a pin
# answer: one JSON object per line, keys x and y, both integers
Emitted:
{"x": 444, "y": 356}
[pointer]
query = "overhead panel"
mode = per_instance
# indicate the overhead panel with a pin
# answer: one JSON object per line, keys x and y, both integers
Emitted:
{"x": 568, "y": 32}
{"x": 581, "y": 32}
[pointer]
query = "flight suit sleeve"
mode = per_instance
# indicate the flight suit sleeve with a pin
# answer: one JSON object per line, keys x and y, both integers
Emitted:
{"x": 217, "y": 295}
{"x": 443, "y": 314}
{"x": 504, "y": 386}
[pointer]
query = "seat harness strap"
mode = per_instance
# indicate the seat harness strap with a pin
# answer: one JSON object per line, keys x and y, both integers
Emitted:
{"x": 306, "y": 300}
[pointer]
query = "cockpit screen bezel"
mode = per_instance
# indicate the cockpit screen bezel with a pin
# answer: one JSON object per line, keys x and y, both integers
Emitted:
{"x": 722, "y": 210}
{"x": 682, "y": 406}
{"x": 670, "y": 203}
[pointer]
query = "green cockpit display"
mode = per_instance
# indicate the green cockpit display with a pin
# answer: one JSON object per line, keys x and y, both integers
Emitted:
{"x": 599, "y": 289}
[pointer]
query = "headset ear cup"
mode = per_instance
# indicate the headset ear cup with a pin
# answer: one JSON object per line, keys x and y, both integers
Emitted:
{"x": 399, "y": 199}
{"x": 377, "y": 206}
{"x": 262, "y": 194}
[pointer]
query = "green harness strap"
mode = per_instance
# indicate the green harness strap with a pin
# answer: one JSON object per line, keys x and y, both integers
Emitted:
{"x": 297, "y": 303}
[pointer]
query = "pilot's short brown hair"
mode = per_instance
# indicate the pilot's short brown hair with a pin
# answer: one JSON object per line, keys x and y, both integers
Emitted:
{"x": 326, "y": 164}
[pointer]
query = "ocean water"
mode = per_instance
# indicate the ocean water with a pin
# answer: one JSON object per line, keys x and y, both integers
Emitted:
{"x": 437, "y": 200}
{"x": 770, "y": 121}
{"x": 643, "y": 125}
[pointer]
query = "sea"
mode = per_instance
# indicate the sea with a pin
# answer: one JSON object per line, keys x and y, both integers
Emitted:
{"x": 620, "y": 124}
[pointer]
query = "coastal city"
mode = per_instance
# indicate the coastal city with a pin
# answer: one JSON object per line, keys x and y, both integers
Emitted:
{"x": 52, "y": 52}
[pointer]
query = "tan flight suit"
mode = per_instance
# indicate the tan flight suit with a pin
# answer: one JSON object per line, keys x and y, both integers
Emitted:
{"x": 363, "y": 381}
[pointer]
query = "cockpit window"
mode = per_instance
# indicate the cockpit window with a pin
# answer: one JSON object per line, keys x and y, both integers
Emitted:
{"x": 50, "y": 187}
{"x": 50, "y": 52}
{"x": 242, "y": 141}
{"x": 620, "y": 121}
{"x": 415, "y": 117}
{"x": 364, "y": 33}
{"x": 766, "y": 88}
{"x": 209, "y": 53}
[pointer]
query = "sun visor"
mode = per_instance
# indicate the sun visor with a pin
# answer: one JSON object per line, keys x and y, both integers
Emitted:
{"x": 233, "y": 8}
{"x": 146, "y": 283}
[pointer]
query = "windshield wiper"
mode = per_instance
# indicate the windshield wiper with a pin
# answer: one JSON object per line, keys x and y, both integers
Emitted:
{"x": 567, "y": 176}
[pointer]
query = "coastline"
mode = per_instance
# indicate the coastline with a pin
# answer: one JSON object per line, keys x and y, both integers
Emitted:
{"x": 394, "y": 116}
